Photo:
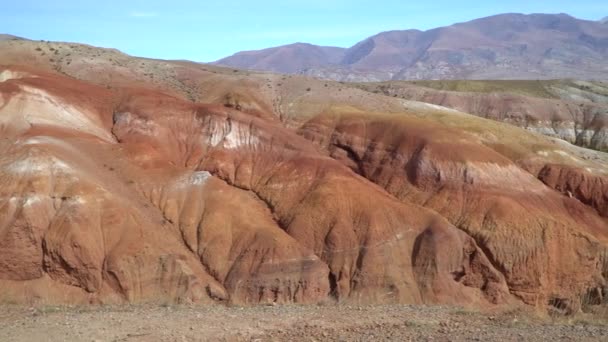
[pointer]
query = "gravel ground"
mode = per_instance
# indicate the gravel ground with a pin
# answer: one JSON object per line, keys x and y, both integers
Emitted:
{"x": 288, "y": 323}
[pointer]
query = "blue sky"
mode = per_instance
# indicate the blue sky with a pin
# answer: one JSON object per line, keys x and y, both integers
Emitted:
{"x": 208, "y": 30}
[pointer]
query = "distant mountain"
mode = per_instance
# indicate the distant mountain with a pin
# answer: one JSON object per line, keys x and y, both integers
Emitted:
{"x": 286, "y": 59}
{"x": 604, "y": 21}
{"x": 506, "y": 46}
{"x": 9, "y": 37}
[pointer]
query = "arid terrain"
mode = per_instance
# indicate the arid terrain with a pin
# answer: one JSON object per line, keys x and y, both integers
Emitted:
{"x": 133, "y": 187}
{"x": 289, "y": 323}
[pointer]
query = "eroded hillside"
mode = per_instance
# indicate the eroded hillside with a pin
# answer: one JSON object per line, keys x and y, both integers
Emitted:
{"x": 136, "y": 180}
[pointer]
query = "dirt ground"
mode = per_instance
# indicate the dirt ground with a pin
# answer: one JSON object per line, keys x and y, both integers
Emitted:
{"x": 288, "y": 323}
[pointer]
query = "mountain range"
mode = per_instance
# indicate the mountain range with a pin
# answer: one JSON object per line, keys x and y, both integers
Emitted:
{"x": 505, "y": 46}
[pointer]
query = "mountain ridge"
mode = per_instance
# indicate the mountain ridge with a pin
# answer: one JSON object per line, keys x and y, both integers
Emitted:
{"x": 304, "y": 54}
{"x": 9, "y": 37}
{"x": 503, "y": 46}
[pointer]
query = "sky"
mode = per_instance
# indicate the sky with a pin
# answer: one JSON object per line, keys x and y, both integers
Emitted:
{"x": 205, "y": 31}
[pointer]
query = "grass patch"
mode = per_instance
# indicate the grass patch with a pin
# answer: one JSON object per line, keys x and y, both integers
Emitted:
{"x": 532, "y": 88}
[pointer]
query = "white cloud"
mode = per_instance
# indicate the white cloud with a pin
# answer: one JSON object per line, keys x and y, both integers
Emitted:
{"x": 138, "y": 14}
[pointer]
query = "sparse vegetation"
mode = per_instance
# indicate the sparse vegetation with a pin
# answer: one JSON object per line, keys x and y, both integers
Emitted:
{"x": 528, "y": 88}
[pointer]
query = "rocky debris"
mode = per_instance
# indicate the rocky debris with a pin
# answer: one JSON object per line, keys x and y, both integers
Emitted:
{"x": 289, "y": 323}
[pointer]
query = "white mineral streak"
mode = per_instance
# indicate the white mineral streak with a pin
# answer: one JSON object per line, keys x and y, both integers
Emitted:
{"x": 37, "y": 107}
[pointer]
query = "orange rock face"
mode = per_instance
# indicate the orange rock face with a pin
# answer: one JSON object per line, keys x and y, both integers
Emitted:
{"x": 578, "y": 183}
{"x": 134, "y": 194}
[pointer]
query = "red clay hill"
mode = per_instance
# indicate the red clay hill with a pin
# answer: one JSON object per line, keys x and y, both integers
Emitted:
{"x": 133, "y": 180}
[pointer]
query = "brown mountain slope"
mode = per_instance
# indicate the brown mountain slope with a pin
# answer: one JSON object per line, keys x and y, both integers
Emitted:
{"x": 506, "y": 46}
{"x": 292, "y": 58}
{"x": 121, "y": 185}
